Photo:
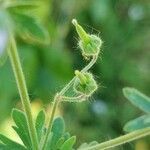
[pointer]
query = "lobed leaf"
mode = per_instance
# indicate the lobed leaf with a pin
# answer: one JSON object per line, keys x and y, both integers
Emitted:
{"x": 21, "y": 127}
{"x": 40, "y": 124}
{"x": 60, "y": 142}
{"x": 57, "y": 132}
{"x": 68, "y": 144}
{"x": 9, "y": 144}
{"x": 138, "y": 123}
{"x": 137, "y": 98}
{"x": 30, "y": 29}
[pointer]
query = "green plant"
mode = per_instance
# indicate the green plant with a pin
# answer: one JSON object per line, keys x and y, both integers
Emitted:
{"x": 36, "y": 136}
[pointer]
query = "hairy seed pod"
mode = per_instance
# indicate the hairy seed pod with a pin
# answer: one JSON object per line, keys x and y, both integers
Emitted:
{"x": 84, "y": 83}
{"x": 89, "y": 44}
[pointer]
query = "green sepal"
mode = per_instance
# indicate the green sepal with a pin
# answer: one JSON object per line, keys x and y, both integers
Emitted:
{"x": 81, "y": 32}
{"x": 87, "y": 88}
{"x": 89, "y": 44}
{"x": 91, "y": 48}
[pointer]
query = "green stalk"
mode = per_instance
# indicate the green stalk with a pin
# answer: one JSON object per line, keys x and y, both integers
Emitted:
{"x": 55, "y": 104}
{"x": 20, "y": 80}
{"x": 59, "y": 97}
{"x": 120, "y": 140}
{"x": 91, "y": 63}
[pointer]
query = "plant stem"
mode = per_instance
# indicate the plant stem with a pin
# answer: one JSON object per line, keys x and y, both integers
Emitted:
{"x": 92, "y": 62}
{"x": 56, "y": 101}
{"x": 86, "y": 68}
{"x": 20, "y": 80}
{"x": 59, "y": 97}
{"x": 73, "y": 99}
{"x": 63, "y": 91}
{"x": 120, "y": 140}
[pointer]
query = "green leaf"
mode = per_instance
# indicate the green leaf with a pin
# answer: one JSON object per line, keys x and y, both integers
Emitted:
{"x": 66, "y": 135}
{"x": 60, "y": 142}
{"x": 9, "y": 144}
{"x": 86, "y": 145}
{"x": 2, "y": 146}
{"x": 48, "y": 144}
{"x": 40, "y": 124}
{"x": 21, "y": 5}
{"x": 137, "y": 98}
{"x": 138, "y": 123}
{"x": 30, "y": 29}
{"x": 22, "y": 127}
{"x": 68, "y": 144}
{"x": 58, "y": 129}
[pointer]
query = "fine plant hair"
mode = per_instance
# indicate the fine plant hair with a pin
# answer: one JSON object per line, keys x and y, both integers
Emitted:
{"x": 52, "y": 136}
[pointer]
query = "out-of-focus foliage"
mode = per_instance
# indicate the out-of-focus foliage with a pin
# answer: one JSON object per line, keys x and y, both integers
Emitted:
{"x": 143, "y": 103}
{"x": 125, "y": 61}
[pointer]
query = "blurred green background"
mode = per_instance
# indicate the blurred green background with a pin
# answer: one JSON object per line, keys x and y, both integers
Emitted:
{"x": 124, "y": 26}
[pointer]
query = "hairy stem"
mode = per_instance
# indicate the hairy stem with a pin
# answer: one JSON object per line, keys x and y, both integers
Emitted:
{"x": 74, "y": 99}
{"x": 92, "y": 62}
{"x": 56, "y": 102}
{"x": 120, "y": 140}
{"x": 86, "y": 68}
{"x": 65, "y": 89}
{"x": 20, "y": 80}
{"x": 59, "y": 97}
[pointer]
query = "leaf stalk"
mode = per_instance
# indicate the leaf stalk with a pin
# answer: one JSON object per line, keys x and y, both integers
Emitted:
{"x": 21, "y": 84}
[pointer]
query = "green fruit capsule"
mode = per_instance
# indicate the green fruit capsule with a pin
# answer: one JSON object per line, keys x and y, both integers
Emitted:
{"x": 85, "y": 83}
{"x": 89, "y": 44}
